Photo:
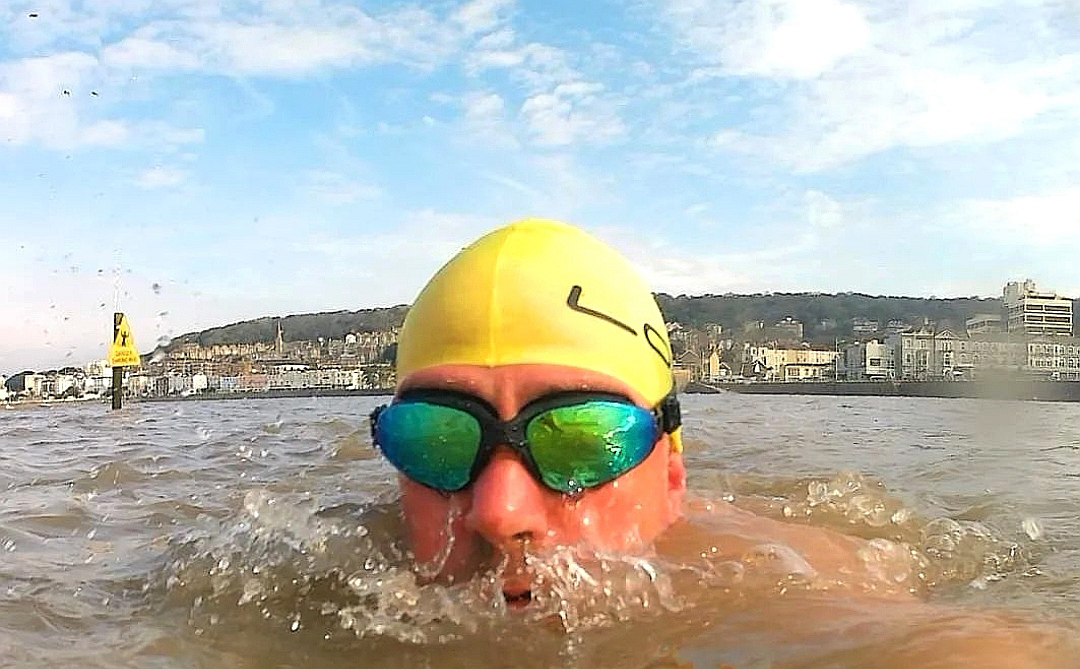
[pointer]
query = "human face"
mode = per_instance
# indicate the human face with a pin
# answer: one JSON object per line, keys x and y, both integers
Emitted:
{"x": 506, "y": 511}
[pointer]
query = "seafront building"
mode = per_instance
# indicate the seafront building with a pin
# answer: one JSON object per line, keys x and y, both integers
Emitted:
{"x": 983, "y": 324}
{"x": 1030, "y": 337}
{"x": 870, "y": 360}
{"x": 773, "y": 363}
{"x": 1031, "y": 312}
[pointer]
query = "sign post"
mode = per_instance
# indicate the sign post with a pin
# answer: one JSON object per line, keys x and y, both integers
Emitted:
{"x": 122, "y": 354}
{"x": 117, "y": 387}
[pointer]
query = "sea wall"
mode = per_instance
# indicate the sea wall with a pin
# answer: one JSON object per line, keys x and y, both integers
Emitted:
{"x": 269, "y": 394}
{"x": 1014, "y": 389}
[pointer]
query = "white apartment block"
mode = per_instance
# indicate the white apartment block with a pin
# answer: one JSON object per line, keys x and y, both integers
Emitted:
{"x": 991, "y": 352}
{"x": 927, "y": 354}
{"x": 791, "y": 364}
{"x": 983, "y": 324}
{"x": 871, "y": 360}
{"x": 32, "y": 384}
{"x": 1033, "y": 313}
{"x": 924, "y": 355}
{"x": 1057, "y": 357}
{"x": 913, "y": 352}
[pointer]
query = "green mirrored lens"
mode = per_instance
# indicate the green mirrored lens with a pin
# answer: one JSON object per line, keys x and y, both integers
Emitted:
{"x": 584, "y": 445}
{"x": 431, "y": 444}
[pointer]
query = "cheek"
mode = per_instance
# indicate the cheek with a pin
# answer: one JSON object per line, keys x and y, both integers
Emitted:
{"x": 431, "y": 519}
{"x": 626, "y": 513}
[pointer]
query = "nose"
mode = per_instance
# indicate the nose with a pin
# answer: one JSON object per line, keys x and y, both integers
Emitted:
{"x": 507, "y": 502}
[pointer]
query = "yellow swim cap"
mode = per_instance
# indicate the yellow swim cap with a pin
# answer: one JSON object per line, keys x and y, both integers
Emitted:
{"x": 538, "y": 291}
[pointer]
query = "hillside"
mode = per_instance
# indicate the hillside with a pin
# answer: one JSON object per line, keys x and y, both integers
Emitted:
{"x": 299, "y": 327}
{"x": 825, "y": 317}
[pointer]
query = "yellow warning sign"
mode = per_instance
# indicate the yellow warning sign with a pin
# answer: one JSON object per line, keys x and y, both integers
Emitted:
{"x": 122, "y": 353}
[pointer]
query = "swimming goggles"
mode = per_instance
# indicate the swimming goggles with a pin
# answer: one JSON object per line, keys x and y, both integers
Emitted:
{"x": 568, "y": 441}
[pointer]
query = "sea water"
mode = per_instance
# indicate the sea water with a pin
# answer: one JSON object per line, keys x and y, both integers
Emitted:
{"x": 265, "y": 533}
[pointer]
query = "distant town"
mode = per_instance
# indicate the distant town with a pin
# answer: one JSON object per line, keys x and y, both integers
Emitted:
{"x": 1030, "y": 335}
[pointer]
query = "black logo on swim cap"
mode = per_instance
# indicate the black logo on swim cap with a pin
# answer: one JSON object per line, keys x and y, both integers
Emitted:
{"x": 651, "y": 333}
{"x": 572, "y": 302}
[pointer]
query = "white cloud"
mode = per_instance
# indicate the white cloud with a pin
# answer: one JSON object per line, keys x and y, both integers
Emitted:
{"x": 484, "y": 106}
{"x": 160, "y": 177}
{"x": 144, "y": 52}
{"x": 104, "y": 133}
{"x": 40, "y": 99}
{"x": 498, "y": 39}
{"x": 568, "y": 187}
{"x": 823, "y": 211}
{"x": 411, "y": 250}
{"x": 296, "y": 39}
{"x": 162, "y": 134}
{"x": 809, "y": 240}
{"x": 495, "y": 58}
{"x": 1044, "y": 220}
{"x": 285, "y": 39}
{"x": 337, "y": 188}
{"x": 484, "y": 116}
{"x": 242, "y": 48}
{"x": 123, "y": 41}
{"x": 669, "y": 269}
{"x": 834, "y": 82}
{"x": 571, "y": 113}
{"x": 58, "y": 310}
{"x": 513, "y": 185}
{"x": 534, "y": 66}
{"x": 53, "y": 101}
{"x": 481, "y": 15}
{"x": 561, "y": 106}
{"x": 798, "y": 39}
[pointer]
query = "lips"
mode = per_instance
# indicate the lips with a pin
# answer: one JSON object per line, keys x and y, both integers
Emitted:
{"x": 517, "y": 598}
{"x": 517, "y": 582}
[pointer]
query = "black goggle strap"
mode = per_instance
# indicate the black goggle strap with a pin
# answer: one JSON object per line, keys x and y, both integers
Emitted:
{"x": 373, "y": 419}
{"x": 669, "y": 413}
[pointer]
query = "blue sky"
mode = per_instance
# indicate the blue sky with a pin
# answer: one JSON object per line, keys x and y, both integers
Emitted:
{"x": 209, "y": 162}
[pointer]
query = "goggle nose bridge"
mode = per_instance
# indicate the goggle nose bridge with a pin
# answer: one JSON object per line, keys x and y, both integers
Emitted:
{"x": 511, "y": 434}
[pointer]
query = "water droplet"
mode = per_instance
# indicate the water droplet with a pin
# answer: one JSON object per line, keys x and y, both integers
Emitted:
{"x": 1032, "y": 528}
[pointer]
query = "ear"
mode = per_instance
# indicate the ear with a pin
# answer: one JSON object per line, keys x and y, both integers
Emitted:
{"x": 676, "y": 485}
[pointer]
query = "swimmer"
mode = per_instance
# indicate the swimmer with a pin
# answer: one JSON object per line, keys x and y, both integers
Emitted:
{"x": 535, "y": 410}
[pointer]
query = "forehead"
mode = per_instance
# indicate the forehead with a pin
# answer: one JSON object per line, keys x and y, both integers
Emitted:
{"x": 509, "y": 387}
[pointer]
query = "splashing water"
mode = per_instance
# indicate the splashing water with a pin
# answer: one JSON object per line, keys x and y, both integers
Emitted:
{"x": 283, "y": 565}
{"x": 939, "y": 551}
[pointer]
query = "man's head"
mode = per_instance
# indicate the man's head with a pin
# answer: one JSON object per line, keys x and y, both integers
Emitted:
{"x": 534, "y": 404}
